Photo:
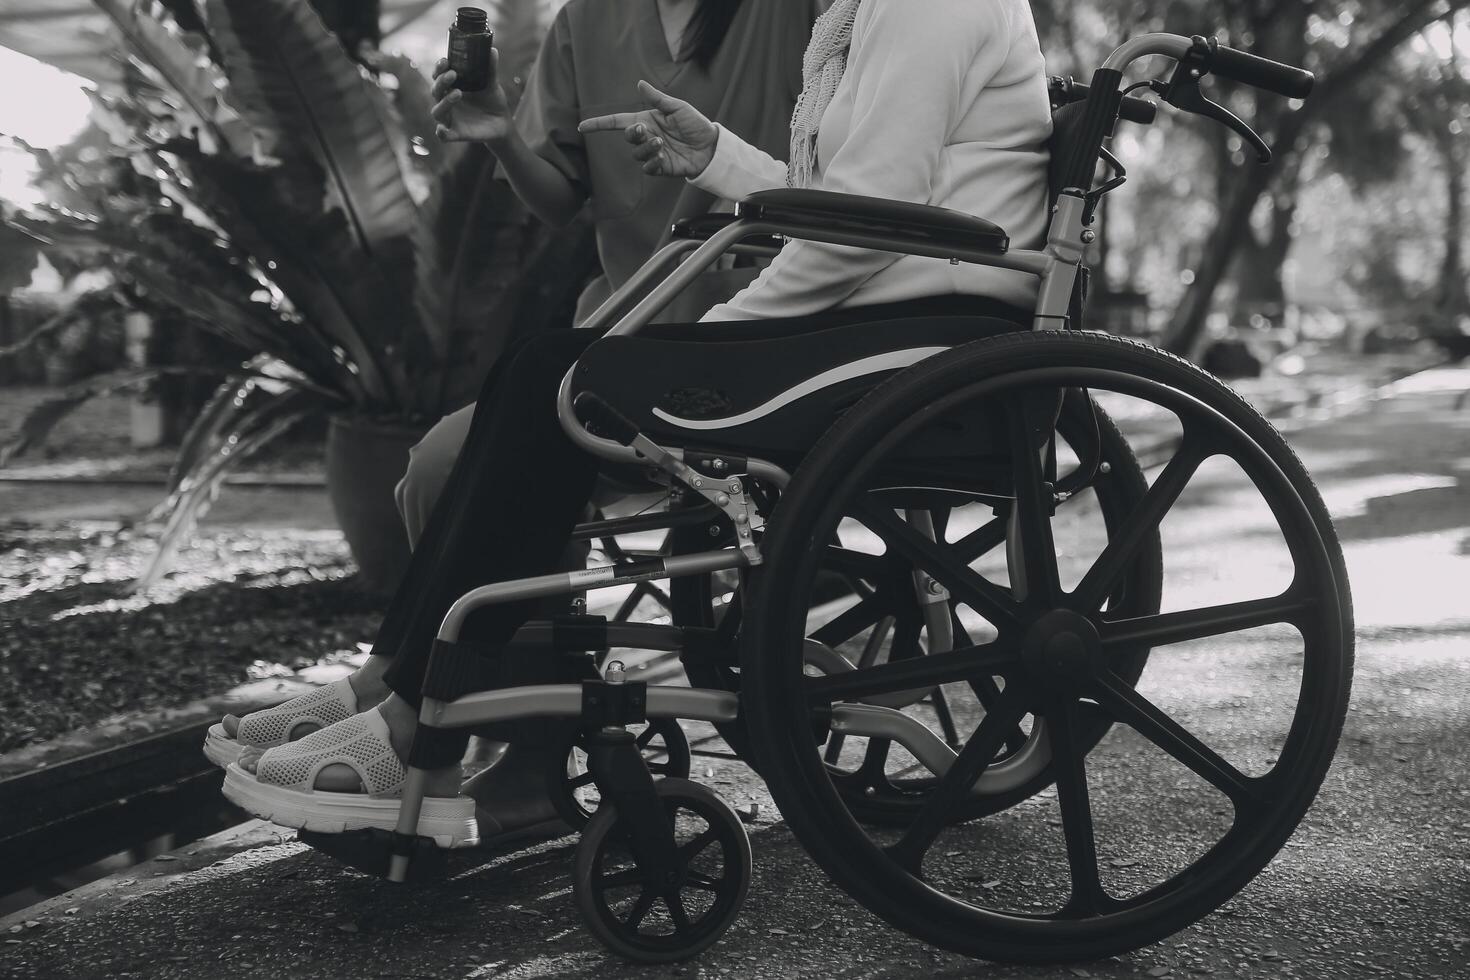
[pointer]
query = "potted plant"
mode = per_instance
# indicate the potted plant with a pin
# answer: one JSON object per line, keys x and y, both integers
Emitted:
{"x": 283, "y": 196}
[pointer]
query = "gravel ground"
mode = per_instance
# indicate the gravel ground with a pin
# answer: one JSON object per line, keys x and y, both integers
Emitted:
{"x": 75, "y": 648}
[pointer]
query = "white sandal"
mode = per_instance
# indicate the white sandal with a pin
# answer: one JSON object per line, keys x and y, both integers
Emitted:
{"x": 270, "y": 727}
{"x": 281, "y": 789}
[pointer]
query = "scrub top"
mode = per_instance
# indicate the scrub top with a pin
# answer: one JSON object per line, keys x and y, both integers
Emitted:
{"x": 590, "y": 65}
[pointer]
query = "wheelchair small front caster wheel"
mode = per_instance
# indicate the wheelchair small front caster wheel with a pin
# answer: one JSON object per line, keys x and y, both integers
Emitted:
{"x": 665, "y": 749}
{"x": 665, "y": 921}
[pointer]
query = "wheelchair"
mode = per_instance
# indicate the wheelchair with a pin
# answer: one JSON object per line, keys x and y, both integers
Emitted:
{"x": 869, "y": 597}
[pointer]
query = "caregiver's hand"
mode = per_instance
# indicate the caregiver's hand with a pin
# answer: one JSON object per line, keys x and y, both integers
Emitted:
{"x": 470, "y": 116}
{"x": 671, "y": 138}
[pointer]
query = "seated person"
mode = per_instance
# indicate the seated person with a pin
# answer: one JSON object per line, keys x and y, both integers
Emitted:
{"x": 593, "y": 50}
{"x": 939, "y": 102}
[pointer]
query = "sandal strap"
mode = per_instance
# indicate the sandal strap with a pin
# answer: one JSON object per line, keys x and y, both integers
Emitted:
{"x": 361, "y": 742}
{"x": 322, "y": 707}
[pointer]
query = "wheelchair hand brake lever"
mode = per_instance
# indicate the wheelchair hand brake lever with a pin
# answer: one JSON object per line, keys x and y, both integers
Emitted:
{"x": 1183, "y": 92}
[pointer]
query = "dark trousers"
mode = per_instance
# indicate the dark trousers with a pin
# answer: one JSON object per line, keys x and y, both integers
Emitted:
{"x": 519, "y": 486}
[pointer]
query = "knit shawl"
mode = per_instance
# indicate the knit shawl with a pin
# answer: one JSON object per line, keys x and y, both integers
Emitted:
{"x": 821, "y": 71}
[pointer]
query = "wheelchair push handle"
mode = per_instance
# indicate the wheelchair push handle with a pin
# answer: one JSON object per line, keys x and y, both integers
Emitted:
{"x": 1258, "y": 72}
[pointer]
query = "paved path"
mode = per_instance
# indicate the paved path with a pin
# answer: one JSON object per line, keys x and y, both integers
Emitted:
{"x": 1375, "y": 883}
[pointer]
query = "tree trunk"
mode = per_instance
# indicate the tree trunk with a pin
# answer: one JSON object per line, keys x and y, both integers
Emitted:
{"x": 1454, "y": 292}
{"x": 1454, "y": 299}
{"x": 1259, "y": 285}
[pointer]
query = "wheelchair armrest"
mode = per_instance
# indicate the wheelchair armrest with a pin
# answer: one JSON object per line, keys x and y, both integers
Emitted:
{"x": 917, "y": 223}
{"x": 704, "y": 226}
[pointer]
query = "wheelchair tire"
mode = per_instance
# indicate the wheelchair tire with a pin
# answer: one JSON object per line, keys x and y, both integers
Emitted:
{"x": 695, "y": 602}
{"x": 684, "y": 927}
{"x": 1055, "y": 662}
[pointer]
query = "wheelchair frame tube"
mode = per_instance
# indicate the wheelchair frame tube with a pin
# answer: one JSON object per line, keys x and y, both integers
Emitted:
{"x": 1170, "y": 45}
{"x": 699, "y": 704}
{"x": 597, "y": 577}
{"x": 565, "y": 701}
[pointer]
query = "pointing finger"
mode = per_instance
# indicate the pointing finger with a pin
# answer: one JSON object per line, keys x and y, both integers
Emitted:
{"x": 598, "y": 124}
{"x": 659, "y": 100}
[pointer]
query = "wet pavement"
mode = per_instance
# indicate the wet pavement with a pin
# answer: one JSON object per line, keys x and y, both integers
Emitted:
{"x": 1375, "y": 883}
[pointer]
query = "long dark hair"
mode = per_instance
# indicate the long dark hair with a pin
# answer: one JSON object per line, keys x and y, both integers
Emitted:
{"x": 707, "y": 30}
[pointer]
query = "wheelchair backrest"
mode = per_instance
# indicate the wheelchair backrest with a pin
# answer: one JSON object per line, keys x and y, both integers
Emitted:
{"x": 1066, "y": 126}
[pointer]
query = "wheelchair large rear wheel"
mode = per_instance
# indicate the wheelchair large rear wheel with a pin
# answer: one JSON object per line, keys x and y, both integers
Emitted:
{"x": 864, "y": 609}
{"x": 1179, "y": 805}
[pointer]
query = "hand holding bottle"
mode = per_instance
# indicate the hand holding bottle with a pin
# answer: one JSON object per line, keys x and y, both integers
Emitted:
{"x": 462, "y": 116}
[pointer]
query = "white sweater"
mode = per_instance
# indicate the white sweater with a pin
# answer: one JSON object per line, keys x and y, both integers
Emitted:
{"x": 944, "y": 102}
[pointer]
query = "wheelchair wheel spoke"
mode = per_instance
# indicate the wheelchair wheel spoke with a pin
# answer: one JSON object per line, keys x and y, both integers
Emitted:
{"x": 688, "y": 852}
{"x": 940, "y": 518}
{"x": 1070, "y": 770}
{"x": 989, "y": 600}
{"x": 1195, "y": 624}
{"x": 640, "y": 909}
{"x": 989, "y": 694}
{"x": 1146, "y": 718}
{"x": 905, "y": 645}
{"x": 870, "y": 568}
{"x": 945, "y": 716}
{"x": 945, "y": 804}
{"x": 920, "y": 672}
{"x": 1033, "y": 507}
{"x": 700, "y": 881}
{"x": 982, "y": 540}
{"x": 849, "y": 623}
{"x": 874, "y": 645}
{"x": 1102, "y": 578}
{"x": 833, "y": 751}
{"x": 677, "y": 913}
{"x": 875, "y": 761}
{"x": 985, "y": 689}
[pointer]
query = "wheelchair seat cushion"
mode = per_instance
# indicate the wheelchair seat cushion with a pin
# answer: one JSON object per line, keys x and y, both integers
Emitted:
{"x": 760, "y": 389}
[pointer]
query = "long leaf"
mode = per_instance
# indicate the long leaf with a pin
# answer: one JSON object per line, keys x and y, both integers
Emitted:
{"x": 189, "y": 76}
{"x": 309, "y": 256}
{"x": 412, "y": 104}
{"x": 208, "y": 431}
{"x": 39, "y": 421}
{"x": 217, "y": 315}
{"x": 291, "y": 78}
{"x": 256, "y": 423}
{"x": 87, "y": 302}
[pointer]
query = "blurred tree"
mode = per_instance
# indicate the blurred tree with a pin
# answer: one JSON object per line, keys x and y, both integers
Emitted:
{"x": 1345, "y": 44}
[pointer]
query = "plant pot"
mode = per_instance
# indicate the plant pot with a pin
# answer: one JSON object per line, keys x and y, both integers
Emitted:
{"x": 365, "y": 460}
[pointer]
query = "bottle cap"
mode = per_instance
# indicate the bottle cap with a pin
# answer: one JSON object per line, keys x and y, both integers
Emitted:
{"x": 472, "y": 20}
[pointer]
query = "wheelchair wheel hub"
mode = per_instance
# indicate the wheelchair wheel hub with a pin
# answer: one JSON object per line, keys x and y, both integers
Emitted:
{"x": 1062, "y": 651}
